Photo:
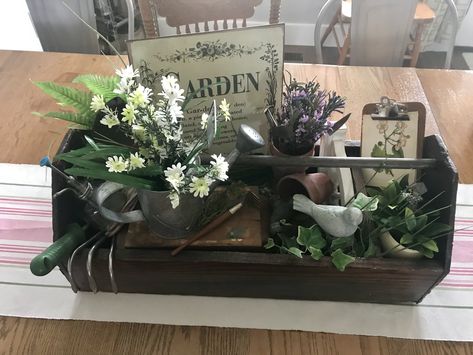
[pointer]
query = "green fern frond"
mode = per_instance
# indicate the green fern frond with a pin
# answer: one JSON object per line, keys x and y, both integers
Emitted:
{"x": 83, "y": 120}
{"x": 99, "y": 85}
{"x": 80, "y": 100}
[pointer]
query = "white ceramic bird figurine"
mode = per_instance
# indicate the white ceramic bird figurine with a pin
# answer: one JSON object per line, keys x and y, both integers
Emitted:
{"x": 338, "y": 221}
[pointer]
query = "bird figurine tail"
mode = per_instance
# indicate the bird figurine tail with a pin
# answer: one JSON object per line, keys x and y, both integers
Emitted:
{"x": 302, "y": 204}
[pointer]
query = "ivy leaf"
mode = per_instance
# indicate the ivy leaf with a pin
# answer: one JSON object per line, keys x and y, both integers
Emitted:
{"x": 373, "y": 191}
{"x": 391, "y": 192}
{"x": 404, "y": 182}
{"x": 295, "y": 251}
{"x": 341, "y": 260}
{"x": 310, "y": 237}
{"x": 431, "y": 245}
{"x": 341, "y": 243}
{"x": 364, "y": 202}
{"x": 315, "y": 253}
{"x": 372, "y": 250}
{"x": 410, "y": 219}
{"x": 269, "y": 244}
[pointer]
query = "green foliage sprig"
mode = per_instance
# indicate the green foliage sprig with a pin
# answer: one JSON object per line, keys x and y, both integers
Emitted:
{"x": 315, "y": 243}
{"x": 89, "y": 162}
{"x": 78, "y": 100}
{"x": 398, "y": 213}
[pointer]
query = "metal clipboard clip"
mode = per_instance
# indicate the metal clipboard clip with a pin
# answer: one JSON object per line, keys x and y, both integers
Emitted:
{"x": 388, "y": 109}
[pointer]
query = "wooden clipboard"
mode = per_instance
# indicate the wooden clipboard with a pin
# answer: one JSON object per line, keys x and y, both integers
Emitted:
{"x": 392, "y": 137}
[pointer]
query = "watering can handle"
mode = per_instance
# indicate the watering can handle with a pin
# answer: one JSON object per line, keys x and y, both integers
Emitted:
{"x": 102, "y": 193}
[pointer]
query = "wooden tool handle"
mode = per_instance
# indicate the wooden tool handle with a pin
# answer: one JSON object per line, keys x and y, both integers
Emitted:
{"x": 209, "y": 227}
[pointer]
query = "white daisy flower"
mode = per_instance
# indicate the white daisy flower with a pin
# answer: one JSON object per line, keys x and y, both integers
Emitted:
{"x": 127, "y": 73}
{"x": 110, "y": 120}
{"x": 171, "y": 89}
{"x": 219, "y": 167}
{"x": 116, "y": 164}
{"x": 174, "y": 197}
{"x": 225, "y": 108}
{"x": 138, "y": 131}
{"x": 129, "y": 113}
{"x": 176, "y": 112}
{"x": 168, "y": 83}
{"x": 97, "y": 103}
{"x": 200, "y": 186}
{"x": 144, "y": 152}
{"x": 136, "y": 162}
{"x": 141, "y": 96}
{"x": 124, "y": 86}
{"x": 205, "y": 120}
{"x": 175, "y": 175}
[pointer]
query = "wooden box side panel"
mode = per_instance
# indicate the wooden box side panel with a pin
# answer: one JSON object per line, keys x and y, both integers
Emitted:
{"x": 261, "y": 275}
{"x": 269, "y": 275}
{"x": 442, "y": 181}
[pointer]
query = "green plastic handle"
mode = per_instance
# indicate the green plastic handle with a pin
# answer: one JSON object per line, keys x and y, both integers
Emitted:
{"x": 43, "y": 263}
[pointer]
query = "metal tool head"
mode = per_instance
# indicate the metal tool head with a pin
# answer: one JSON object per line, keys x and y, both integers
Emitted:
{"x": 248, "y": 139}
{"x": 337, "y": 125}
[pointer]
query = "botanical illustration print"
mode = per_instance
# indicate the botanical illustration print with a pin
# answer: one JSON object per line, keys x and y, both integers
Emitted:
{"x": 392, "y": 141}
{"x": 208, "y": 50}
{"x": 271, "y": 57}
{"x": 149, "y": 77}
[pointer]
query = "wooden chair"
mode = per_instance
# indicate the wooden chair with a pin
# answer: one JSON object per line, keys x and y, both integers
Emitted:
{"x": 378, "y": 31}
{"x": 423, "y": 16}
{"x": 201, "y": 15}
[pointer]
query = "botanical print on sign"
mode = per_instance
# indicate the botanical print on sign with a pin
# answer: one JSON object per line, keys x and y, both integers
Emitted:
{"x": 389, "y": 139}
{"x": 393, "y": 139}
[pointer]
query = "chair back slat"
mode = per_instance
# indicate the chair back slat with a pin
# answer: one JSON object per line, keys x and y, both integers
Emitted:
{"x": 380, "y": 31}
{"x": 193, "y": 12}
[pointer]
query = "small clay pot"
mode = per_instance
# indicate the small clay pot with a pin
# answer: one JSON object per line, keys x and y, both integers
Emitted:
{"x": 317, "y": 186}
{"x": 281, "y": 171}
{"x": 397, "y": 250}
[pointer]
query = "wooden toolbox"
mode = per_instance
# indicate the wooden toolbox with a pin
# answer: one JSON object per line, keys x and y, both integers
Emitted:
{"x": 257, "y": 273}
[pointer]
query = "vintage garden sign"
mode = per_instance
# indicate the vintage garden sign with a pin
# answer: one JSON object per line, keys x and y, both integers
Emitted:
{"x": 244, "y": 66}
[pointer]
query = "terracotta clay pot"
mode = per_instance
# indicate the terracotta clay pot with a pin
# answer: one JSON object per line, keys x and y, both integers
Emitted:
{"x": 397, "y": 250}
{"x": 317, "y": 186}
{"x": 281, "y": 171}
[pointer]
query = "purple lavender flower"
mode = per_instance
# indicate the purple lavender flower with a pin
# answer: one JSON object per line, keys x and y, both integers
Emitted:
{"x": 304, "y": 119}
{"x": 306, "y": 109}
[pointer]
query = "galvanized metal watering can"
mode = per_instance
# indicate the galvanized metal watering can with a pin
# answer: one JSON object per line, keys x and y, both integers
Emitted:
{"x": 156, "y": 210}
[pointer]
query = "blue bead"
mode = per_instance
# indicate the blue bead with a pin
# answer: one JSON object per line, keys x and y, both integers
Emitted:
{"x": 45, "y": 161}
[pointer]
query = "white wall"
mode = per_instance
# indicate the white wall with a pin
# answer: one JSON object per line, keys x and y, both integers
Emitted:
{"x": 16, "y": 29}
